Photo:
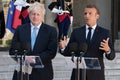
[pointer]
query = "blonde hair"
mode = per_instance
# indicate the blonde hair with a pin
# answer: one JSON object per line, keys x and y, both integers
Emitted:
{"x": 37, "y": 6}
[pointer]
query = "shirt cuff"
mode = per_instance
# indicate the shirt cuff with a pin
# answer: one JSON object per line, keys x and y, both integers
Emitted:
{"x": 108, "y": 52}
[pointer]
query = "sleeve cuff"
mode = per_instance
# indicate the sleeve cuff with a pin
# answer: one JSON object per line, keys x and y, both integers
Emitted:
{"x": 108, "y": 52}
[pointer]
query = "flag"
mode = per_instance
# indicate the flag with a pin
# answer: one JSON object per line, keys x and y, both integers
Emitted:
{"x": 16, "y": 19}
{"x": 10, "y": 17}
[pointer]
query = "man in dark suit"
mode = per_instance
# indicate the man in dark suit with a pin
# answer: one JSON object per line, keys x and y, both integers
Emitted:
{"x": 45, "y": 45}
{"x": 100, "y": 42}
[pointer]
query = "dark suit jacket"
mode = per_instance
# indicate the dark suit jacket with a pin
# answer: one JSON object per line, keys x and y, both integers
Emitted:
{"x": 45, "y": 47}
{"x": 79, "y": 36}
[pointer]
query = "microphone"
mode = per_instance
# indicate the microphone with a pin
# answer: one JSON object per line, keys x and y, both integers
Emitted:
{"x": 82, "y": 49}
{"x": 17, "y": 48}
{"x": 25, "y": 46}
{"x": 73, "y": 49}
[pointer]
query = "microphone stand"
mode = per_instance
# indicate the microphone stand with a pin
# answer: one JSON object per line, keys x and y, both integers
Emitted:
{"x": 77, "y": 66}
{"x": 78, "y": 60}
{"x": 83, "y": 73}
{"x": 21, "y": 74}
{"x": 22, "y": 62}
{"x": 26, "y": 76}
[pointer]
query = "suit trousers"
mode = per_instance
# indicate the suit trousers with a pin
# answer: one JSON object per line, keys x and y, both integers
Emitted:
{"x": 63, "y": 27}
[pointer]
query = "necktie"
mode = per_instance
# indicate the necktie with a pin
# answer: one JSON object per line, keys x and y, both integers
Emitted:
{"x": 89, "y": 36}
{"x": 33, "y": 37}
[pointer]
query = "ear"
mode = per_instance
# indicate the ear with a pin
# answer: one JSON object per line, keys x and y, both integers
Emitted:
{"x": 97, "y": 16}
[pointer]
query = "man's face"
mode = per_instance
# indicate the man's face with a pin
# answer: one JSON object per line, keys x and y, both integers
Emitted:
{"x": 36, "y": 17}
{"x": 90, "y": 16}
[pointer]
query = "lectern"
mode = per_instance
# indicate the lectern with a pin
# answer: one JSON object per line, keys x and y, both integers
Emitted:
{"x": 21, "y": 68}
{"x": 83, "y": 64}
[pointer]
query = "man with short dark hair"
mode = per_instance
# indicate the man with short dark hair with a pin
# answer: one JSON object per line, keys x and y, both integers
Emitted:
{"x": 97, "y": 38}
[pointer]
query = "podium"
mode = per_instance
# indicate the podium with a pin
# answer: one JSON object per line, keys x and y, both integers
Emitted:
{"x": 81, "y": 65}
{"x": 20, "y": 68}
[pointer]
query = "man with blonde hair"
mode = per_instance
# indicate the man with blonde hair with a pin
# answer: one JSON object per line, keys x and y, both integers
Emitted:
{"x": 43, "y": 41}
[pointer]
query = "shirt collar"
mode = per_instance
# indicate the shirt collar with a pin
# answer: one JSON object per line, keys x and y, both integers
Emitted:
{"x": 32, "y": 26}
{"x": 93, "y": 27}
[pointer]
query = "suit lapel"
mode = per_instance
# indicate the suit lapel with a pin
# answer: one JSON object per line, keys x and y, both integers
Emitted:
{"x": 39, "y": 36}
{"x": 95, "y": 35}
{"x": 81, "y": 35}
{"x": 84, "y": 33}
{"x": 28, "y": 33}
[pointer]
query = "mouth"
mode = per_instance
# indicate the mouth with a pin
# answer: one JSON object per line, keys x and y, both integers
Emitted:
{"x": 86, "y": 20}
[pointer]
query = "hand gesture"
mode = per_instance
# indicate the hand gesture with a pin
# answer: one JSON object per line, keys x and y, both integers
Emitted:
{"x": 104, "y": 45}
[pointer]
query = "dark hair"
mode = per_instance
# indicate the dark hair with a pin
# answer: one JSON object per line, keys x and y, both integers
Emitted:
{"x": 93, "y": 6}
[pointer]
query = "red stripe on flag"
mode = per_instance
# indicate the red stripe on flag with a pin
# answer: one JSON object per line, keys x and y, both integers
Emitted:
{"x": 16, "y": 21}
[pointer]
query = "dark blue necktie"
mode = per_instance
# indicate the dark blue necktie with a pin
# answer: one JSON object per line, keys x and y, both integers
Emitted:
{"x": 89, "y": 36}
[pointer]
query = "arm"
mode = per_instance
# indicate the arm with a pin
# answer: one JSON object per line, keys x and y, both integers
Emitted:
{"x": 64, "y": 45}
{"x": 107, "y": 46}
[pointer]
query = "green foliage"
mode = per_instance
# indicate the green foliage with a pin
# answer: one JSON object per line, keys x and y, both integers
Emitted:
{"x": 8, "y": 42}
{"x": 0, "y": 42}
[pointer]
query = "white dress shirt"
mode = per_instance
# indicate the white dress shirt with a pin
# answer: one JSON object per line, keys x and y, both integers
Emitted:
{"x": 92, "y": 30}
{"x": 32, "y": 27}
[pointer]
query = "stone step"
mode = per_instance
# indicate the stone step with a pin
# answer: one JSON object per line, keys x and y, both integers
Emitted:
{"x": 117, "y": 77}
{"x": 6, "y": 75}
{"x": 112, "y": 72}
{"x": 61, "y": 68}
{"x": 116, "y": 61}
{"x": 117, "y": 45}
{"x": 7, "y": 69}
{"x": 112, "y": 66}
{"x": 61, "y": 79}
{"x": 67, "y": 73}
{"x": 62, "y": 74}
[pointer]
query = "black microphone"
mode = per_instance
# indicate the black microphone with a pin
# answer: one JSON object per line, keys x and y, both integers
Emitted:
{"x": 17, "y": 48}
{"x": 25, "y": 46}
{"x": 82, "y": 49}
{"x": 73, "y": 49}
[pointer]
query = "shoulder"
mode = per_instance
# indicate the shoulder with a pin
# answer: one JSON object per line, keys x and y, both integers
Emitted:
{"x": 101, "y": 29}
{"x": 80, "y": 29}
{"x": 48, "y": 27}
{"x": 24, "y": 26}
